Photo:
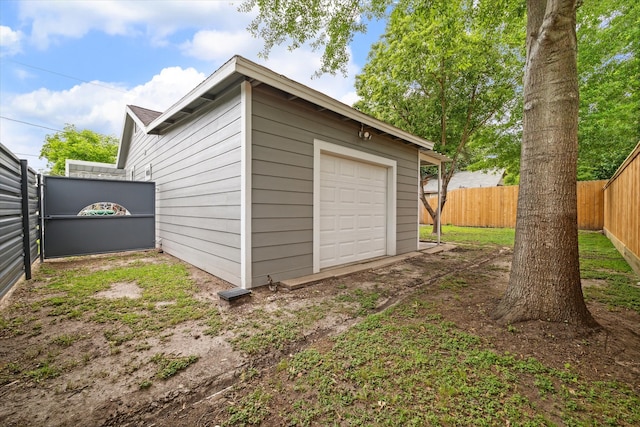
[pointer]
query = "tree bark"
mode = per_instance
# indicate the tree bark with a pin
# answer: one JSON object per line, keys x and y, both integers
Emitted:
{"x": 433, "y": 213}
{"x": 545, "y": 275}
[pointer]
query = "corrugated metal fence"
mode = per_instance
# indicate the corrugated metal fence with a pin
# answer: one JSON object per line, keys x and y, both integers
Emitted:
{"x": 496, "y": 206}
{"x": 622, "y": 209}
{"x": 18, "y": 219}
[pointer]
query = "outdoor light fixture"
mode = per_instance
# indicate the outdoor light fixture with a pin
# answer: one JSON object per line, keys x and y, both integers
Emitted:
{"x": 364, "y": 134}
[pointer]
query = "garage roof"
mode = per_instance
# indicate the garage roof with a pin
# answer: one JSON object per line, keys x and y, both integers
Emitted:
{"x": 239, "y": 69}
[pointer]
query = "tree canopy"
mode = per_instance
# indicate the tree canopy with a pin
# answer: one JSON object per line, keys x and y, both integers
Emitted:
{"x": 77, "y": 145}
{"x": 608, "y": 63}
{"x": 609, "y": 76}
{"x": 450, "y": 74}
{"x": 608, "y": 37}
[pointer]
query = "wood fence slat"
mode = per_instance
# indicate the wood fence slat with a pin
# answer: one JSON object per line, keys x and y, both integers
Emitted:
{"x": 496, "y": 206}
{"x": 622, "y": 209}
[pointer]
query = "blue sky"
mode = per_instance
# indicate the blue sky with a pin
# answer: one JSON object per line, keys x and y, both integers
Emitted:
{"x": 81, "y": 62}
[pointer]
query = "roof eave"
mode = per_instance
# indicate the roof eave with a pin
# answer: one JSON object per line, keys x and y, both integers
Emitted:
{"x": 243, "y": 67}
{"x": 125, "y": 139}
{"x": 258, "y": 72}
{"x": 212, "y": 81}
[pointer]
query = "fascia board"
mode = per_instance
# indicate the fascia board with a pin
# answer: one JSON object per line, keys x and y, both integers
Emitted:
{"x": 212, "y": 81}
{"x": 434, "y": 157}
{"x": 252, "y": 70}
{"x": 125, "y": 139}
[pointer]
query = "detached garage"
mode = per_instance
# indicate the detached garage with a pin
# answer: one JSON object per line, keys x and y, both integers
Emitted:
{"x": 261, "y": 177}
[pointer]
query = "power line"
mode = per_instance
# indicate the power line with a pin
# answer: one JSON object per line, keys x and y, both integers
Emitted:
{"x": 65, "y": 75}
{"x": 30, "y": 124}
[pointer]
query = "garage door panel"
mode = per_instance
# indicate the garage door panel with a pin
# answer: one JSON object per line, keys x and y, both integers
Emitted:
{"x": 327, "y": 252}
{"x": 327, "y": 194}
{"x": 352, "y": 211}
{"x": 365, "y": 221}
{"x": 328, "y": 223}
{"x": 347, "y": 222}
{"x": 347, "y": 169}
{"x": 371, "y": 246}
{"x": 347, "y": 195}
{"x": 346, "y": 249}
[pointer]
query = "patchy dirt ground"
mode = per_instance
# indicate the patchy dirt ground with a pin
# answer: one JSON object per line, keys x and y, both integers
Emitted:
{"x": 100, "y": 385}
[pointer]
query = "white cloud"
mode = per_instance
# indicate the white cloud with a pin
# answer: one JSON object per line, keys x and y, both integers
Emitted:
{"x": 86, "y": 105}
{"x": 214, "y": 45}
{"x": 10, "y": 41}
{"x": 165, "y": 89}
{"x": 94, "y": 106}
{"x": 51, "y": 21}
{"x": 300, "y": 65}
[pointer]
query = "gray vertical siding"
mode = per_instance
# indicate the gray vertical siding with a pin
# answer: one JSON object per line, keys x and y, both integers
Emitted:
{"x": 282, "y": 182}
{"x": 196, "y": 168}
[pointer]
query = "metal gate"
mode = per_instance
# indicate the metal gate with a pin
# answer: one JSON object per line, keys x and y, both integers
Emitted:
{"x": 91, "y": 216}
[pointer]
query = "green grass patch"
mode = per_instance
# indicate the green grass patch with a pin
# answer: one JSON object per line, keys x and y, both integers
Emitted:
{"x": 167, "y": 297}
{"x": 169, "y": 366}
{"x": 270, "y": 334}
{"x": 267, "y": 331}
{"x": 365, "y": 300}
{"x": 44, "y": 371}
{"x": 472, "y": 235}
{"x": 66, "y": 340}
{"x": 406, "y": 366}
{"x": 69, "y": 291}
{"x": 250, "y": 411}
{"x": 599, "y": 261}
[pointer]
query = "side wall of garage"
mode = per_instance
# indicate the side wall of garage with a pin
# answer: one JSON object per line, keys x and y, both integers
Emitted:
{"x": 284, "y": 131}
{"x": 196, "y": 167}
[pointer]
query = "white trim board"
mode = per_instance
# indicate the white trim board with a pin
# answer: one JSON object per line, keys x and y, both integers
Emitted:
{"x": 245, "y": 187}
{"x": 320, "y": 147}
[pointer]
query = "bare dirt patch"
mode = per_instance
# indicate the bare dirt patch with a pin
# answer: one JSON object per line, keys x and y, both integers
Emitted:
{"x": 121, "y": 290}
{"x": 102, "y": 383}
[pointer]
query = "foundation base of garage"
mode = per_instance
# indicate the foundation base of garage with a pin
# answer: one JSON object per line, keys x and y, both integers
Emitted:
{"x": 300, "y": 282}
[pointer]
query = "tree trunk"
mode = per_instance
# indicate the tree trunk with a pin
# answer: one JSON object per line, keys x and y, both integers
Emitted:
{"x": 433, "y": 213}
{"x": 545, "y": 275}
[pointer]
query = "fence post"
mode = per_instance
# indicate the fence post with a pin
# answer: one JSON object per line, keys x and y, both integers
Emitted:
{"x": 26, "y": 244}
{"x": 40, "y": 217}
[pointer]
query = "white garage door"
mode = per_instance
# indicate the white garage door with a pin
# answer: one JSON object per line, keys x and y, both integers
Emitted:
{"x": 353, "y": 210}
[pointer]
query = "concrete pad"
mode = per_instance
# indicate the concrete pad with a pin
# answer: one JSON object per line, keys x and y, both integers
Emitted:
{"x": 300, "y": 282}
{"x": 437, "y": 249}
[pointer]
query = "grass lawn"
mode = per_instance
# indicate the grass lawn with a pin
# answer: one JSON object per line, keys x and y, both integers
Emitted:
{"x": 600, "y": 263}
{"x": 410, "y": 365}
{"x": 433, "y": 357}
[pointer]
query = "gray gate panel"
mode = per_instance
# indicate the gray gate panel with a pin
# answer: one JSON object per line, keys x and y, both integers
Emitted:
{"x": 96, "y": 235}
{"x": 67, "y": 234}
{"x": 67, "y": 196}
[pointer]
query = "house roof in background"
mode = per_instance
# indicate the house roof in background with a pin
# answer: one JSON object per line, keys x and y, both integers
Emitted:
{"x": 469, "y": 179}
{"x": 239, "y": 69}
{"x": 92, "y": 167}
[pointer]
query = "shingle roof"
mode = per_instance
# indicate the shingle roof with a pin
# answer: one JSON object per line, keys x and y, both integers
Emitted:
{"x": 469, "y": 179}
{"x": 145, "y": 115}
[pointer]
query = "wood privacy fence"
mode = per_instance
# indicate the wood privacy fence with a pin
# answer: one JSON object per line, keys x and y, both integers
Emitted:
{"x": 496, "y": 206}
{"x": 622, "y": 209}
